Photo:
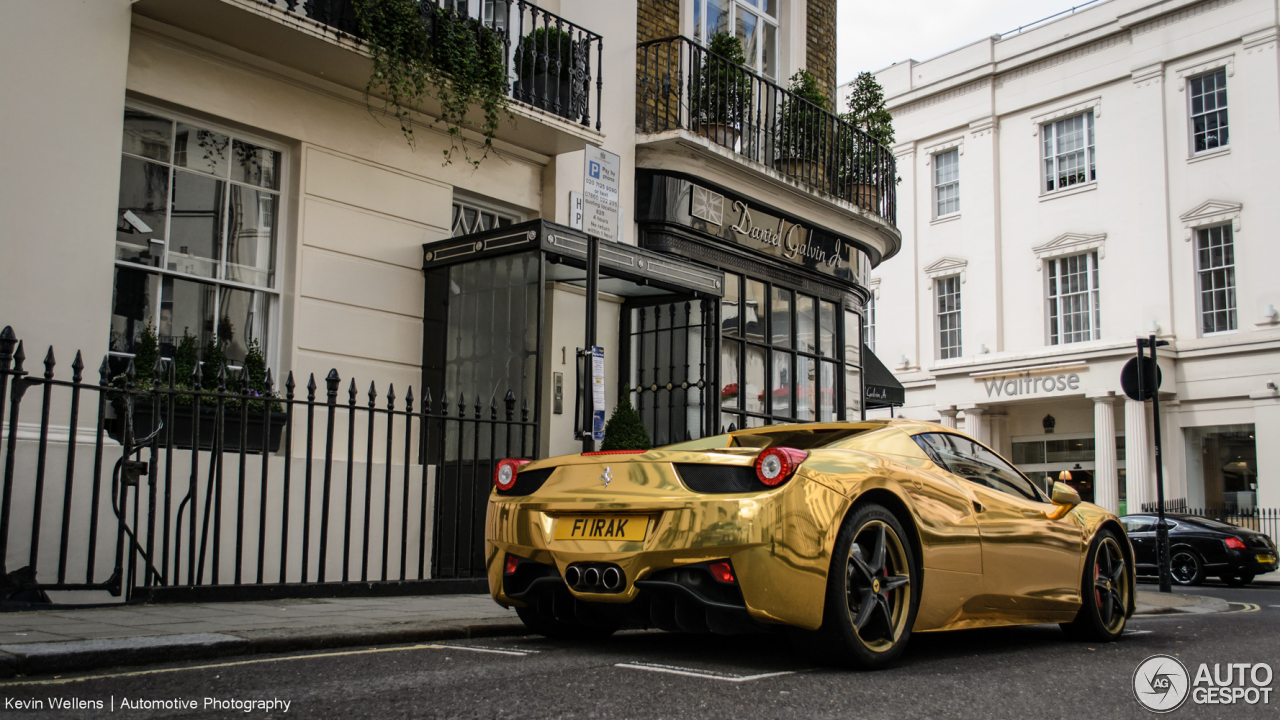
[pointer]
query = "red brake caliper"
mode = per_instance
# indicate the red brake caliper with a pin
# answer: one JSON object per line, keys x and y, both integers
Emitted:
{"x": 1096, "y": 595}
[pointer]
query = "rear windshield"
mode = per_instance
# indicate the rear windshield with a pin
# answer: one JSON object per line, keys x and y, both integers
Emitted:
{"x": 791, "y": 438}
{"x": 1214, "y": 524}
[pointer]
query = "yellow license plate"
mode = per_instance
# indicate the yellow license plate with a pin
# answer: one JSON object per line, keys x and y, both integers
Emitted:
{"x": 601, "y": 527}
{"x": 1266, "y": 558}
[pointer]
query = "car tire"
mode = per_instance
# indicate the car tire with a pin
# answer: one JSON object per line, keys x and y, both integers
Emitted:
{"x": 1186, "y": 567}
{"x": 1237, "y": 580}
{"x": 872, "y": 597}
{"x": 1106, "y": 588}
{"x": 541, "y": 621}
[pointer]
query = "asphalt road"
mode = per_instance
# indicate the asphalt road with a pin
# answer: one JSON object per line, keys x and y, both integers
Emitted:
{"x": 1029, "y": 672}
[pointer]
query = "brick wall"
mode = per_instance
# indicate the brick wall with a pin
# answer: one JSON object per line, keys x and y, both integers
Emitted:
{"x": 658, "y": 19}
{"x": 821, "y": 52}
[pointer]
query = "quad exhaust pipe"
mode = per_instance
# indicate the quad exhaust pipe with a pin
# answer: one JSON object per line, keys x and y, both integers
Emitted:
{"x": 611, "y": 578}
{"x": 572, "y": 576}
{"x": 591, "y": 577}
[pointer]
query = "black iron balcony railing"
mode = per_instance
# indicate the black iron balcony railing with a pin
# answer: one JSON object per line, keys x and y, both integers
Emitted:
{"x": 548, "y": 59}
{"x": 681, "y": 85}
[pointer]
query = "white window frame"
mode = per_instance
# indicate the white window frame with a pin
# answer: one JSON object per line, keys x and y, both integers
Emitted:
{"x": 1192, "y": 115}
{"x": 948, "y": 285}
{"x": 1202, "y": 272}
{"x": 869, "y": 322}
{"x": 1056, "y": 301}
{"x": 700, "y": 32}
{"x": 274, "y": 323}
{"x": 1051, "y": 132}
{"x": 939, "y": 187}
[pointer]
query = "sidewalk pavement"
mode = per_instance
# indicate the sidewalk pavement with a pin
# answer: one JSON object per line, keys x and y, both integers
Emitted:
{"x": 65, "y": 640}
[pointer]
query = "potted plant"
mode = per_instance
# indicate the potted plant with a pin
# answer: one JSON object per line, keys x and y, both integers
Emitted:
{"x": 802, "y": 128}
{"x": 625, "y": 430}
{"x": 248, "y": 397}
{"x": 862, "y": 164}
{"x": 721, "y": 97}
{"x": 544, "y": 64}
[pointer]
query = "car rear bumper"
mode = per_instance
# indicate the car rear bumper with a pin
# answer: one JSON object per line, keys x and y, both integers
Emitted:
{"x": 778, "y": 542}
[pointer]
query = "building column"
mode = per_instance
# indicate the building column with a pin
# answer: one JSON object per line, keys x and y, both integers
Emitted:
{"x": 948, "y": 416}
{"x": 1136, "y": 449}
{"x": 975, "y": 424}
{"x": 1266, "y": 430}
{"x": 1106, "y": 488}
{"x": 995, "y": 433}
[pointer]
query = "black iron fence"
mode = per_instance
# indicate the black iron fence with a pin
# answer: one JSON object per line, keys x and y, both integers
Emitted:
{"x": 681, "y": 85}
{"x": 1266, "y": 520}
{"x": 549, "y": 60}
{"x": 163, "y": 487}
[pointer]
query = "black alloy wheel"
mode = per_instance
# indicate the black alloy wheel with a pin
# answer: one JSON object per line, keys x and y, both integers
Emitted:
{"x": 1104, "y": 593}
{"x": 871, "y": 601}
{"x": 1185, "y": 567}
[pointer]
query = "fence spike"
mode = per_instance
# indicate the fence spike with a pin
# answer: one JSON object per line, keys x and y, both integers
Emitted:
{"x": 444, "y": 404}
{"x": 129, "y": 374}
{"x": 197, "y": 375}
{"x": 19, "y": 356}
{"x": 524, "y": 410}
{"x": 426, "y": 402}
{"x": 222, "y": 377}
{"x": 157, "y": 372}
{"x": 288, "y": 386}
{"x": 493, "y": 408}
{"x": 373, "y": 395}
{"x": 391, "y": 396}
{"x": 510, "y": 401}
{"x": 243, "y": 377}
{"x": 77, "y": 368}
{"x": 462, "y": 404}
{"x": 351, "y": 393}
{"x": 332, "y": 381}
{"x": 49, "y": 362}
{"x": 271, "y": 386}
{"x": 7, "y": 341}
{"x": 478, "y": 406}
{"x": 408, "y": 400}
{"x": 104, "y": 371}
{"x": 311, "y": 387}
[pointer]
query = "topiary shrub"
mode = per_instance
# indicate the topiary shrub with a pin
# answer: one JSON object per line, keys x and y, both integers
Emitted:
{"x": 625, "y": 431}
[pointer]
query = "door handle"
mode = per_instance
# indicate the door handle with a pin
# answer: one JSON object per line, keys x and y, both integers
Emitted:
{"x": 1033, "y": 513}
{"x": 978, "y": 508}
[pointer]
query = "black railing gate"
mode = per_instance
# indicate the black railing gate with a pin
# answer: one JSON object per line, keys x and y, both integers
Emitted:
{"x": 163, "y": 488}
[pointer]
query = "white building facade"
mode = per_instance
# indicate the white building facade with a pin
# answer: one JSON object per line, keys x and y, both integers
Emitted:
{"x": 1068, "y": 189}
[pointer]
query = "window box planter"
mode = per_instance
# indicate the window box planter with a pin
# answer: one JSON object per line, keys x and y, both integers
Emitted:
{"x": 145, "y": 420}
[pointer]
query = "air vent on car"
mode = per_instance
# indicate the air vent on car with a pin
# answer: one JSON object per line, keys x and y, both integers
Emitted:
{"x": 708, "y": 478}
{"x": 528, "y": 482}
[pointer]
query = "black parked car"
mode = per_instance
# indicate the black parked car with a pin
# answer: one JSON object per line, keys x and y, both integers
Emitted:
{"x": 1199, "y": 547}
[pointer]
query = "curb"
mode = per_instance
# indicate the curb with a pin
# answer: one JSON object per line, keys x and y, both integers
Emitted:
{"x": 1185, "y": 605}
{"x": 58, "y": 657}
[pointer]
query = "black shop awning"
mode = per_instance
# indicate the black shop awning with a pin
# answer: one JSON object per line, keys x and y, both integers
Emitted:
{"x": 879, "y": 387}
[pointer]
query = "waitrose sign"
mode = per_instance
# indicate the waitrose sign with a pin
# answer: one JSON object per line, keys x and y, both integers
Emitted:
{"x": 1024, "y": 384}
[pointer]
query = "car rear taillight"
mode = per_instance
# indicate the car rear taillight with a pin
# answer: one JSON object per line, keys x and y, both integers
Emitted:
{"x": 504, "y": 476}
{"x": 777, "y": 464}
{"x": 613, "y": 452}
{"x": 512, "y": 563}
{"x": 722, "y": 571}
{"x": 1234, "y": 543}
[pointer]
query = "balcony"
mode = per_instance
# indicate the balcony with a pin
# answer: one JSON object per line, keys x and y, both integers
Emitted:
{"x": 684, "y": 90}
{"x": 553, "y": 65}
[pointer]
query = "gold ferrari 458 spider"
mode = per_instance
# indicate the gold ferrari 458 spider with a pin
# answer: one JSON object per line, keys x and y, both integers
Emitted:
{"x": 851, "y": 535}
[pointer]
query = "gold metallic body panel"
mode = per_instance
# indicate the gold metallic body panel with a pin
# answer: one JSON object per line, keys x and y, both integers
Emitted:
{"x": 986, "y": 557}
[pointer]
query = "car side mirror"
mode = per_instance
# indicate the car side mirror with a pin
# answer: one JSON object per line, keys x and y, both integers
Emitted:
{"x": 1064, "y": 494}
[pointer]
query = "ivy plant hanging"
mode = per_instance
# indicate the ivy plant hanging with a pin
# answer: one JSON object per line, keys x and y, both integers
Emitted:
{"x": 422, "y": 51}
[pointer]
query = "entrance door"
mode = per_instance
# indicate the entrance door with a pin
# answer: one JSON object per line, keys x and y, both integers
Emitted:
{"x": 668, "y": 344}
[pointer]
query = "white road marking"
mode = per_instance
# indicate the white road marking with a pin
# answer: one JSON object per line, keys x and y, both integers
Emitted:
{"x": 1273, "y": 606}
{"x": 1138, "y": 632}
{"x": 162, "y": 671}
{"x": 704, "y": 674}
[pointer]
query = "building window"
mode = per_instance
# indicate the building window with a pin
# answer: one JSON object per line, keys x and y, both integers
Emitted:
{"x": 754, "y": 22}
{"x": 197, "y": 238}
{"x": 1216, "y": 265}
{"x": 1209, "y": 111}
{"x": 778, "y": 355}
{"x": 869, "y": 323}
{"x": 948, "y": 293}
{"x": 1074, "y": 314}
{"x": 946, "y": 182}
{"x": 468, "y": 217}
{"x": 1068, "y": 152}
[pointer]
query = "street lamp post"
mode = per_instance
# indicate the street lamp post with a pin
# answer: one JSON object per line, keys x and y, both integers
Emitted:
{"x": 1162, "y": 530}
